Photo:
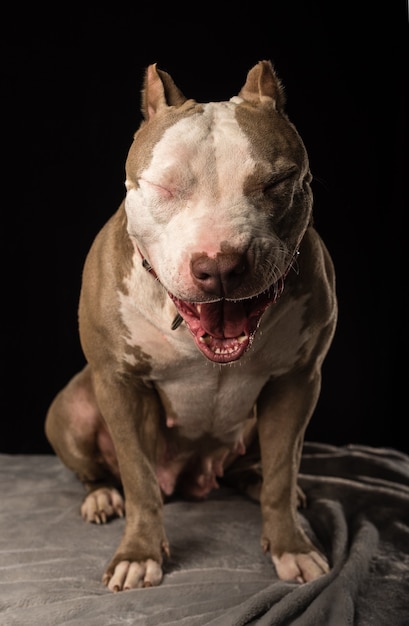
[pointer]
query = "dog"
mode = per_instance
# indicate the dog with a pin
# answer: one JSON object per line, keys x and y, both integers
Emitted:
{"x": 207, "y": 308}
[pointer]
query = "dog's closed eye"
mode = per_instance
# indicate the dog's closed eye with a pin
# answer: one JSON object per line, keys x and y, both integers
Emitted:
{"x": 165, "y": 192}
{"x": 278, "y": 178}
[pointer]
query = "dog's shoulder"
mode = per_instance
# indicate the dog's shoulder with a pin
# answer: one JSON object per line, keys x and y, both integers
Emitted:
{"x": 317, "y": 275}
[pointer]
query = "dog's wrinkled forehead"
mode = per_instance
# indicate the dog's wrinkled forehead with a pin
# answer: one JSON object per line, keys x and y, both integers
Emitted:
{"x": 220, "y": 144}
{"x": 206, "y": 149}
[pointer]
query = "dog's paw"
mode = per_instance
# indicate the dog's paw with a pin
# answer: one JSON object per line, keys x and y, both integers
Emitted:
{"x": 302, "y": 567}
{"x": 133, "y": 575}
{"x": 102, "y": 504}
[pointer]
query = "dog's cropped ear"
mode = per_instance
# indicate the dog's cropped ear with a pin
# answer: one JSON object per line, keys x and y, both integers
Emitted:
{"x": 159, "y": 91}
{"x": 262, "y": 84}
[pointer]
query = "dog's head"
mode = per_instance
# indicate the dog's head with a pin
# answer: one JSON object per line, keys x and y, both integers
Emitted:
{"x": 218, "y": 200}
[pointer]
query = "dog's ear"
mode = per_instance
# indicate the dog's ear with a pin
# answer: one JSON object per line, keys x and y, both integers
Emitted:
{"x": 262, "y": 84}
{"x": 159, "y": 91}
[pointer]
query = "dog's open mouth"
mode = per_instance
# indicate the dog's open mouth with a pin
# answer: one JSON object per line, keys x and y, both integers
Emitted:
{"x": 225, "y": 329}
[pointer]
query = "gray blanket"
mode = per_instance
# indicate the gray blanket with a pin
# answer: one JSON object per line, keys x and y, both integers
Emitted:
{"x": 358, "y": 509}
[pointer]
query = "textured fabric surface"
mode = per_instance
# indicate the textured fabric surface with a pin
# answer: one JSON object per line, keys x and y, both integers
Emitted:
{"x": 51, "y": 562}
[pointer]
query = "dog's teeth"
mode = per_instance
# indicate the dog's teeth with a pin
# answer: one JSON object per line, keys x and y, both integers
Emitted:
{"x": 224, "y": 351}
{"x": 198, "y": 308}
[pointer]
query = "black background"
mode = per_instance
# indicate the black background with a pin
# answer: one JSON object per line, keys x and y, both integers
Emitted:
{"x": 70, "y": 105}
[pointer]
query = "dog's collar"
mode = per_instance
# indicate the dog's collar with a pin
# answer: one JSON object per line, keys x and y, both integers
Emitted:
{"x": 148, "y": 266}
{"x": 277, "y": 288}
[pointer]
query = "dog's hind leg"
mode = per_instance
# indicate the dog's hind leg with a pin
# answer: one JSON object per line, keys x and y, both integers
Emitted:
{"x": 78, "y": 435}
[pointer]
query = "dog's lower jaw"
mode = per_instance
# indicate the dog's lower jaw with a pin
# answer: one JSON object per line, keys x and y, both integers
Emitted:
{"x": 224, "y": 350}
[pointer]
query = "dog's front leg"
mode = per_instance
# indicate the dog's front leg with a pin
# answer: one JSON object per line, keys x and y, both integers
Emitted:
{"x": 284, "y": 409}
{"x": 132, "y": 417}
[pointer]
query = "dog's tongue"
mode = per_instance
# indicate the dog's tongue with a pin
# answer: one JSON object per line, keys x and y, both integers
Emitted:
{"x": 223, "y": 319}
{"x": 223, "y": 330}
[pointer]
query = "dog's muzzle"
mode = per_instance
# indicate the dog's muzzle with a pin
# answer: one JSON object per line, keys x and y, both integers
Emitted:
{"x": 224, "y": 330}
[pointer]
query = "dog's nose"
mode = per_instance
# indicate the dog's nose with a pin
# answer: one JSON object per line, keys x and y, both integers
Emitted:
{"x": 221, "y": 275}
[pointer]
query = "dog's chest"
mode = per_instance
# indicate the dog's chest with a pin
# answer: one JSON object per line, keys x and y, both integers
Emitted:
{"x": 201, "y": 397}
{"x": 204, "y": 399}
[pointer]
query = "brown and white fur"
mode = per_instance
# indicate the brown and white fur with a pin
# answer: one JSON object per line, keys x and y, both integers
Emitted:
{"x": 207, "y": 308}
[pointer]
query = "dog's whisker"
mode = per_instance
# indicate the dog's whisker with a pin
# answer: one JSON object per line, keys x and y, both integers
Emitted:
{"x": 295, "y": 268}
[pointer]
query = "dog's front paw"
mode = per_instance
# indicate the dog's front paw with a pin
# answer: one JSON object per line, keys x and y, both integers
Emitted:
{"x": 133, "y": 575}
{"x": 102, "y": 504}
{"x": 302, "y": 567}
{"x": 294, "y": 555}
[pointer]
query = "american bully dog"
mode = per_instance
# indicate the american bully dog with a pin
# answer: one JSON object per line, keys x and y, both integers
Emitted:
{"x": 206, "y": 310}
